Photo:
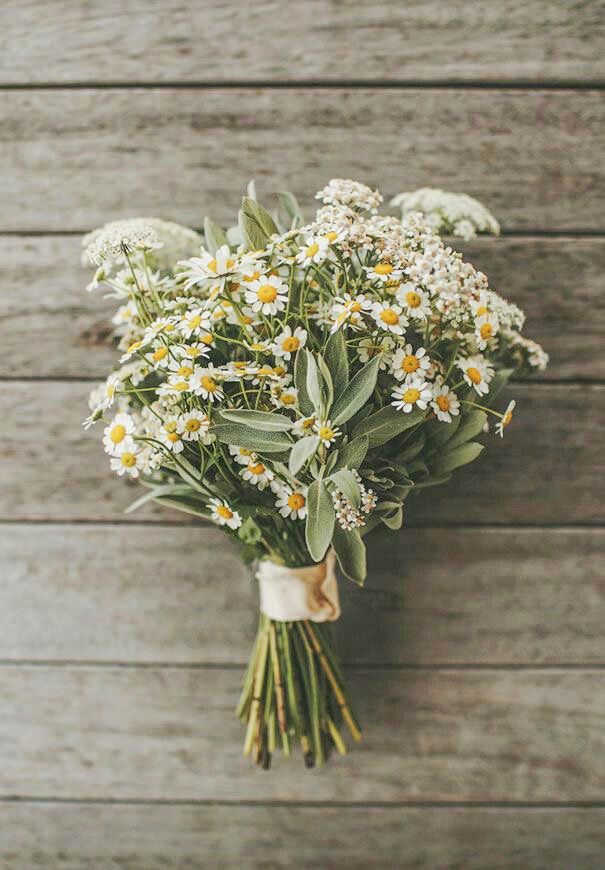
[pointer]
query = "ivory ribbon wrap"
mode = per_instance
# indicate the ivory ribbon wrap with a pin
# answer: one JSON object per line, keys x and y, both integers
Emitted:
{"x": 292, "y": 594}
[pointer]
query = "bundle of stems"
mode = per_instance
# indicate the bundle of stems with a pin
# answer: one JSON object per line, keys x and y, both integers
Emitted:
{"x": 293, "y": 693}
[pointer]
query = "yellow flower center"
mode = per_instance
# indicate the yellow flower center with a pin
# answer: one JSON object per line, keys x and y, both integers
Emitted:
{"x": 243, "y": 452}
{"x": 296, "y": 501}
{"x": 354, "y": 306}
{"x": 213, "y": 265}
{"x": 279, "y": 371}
{"x": 209, "y": 384}
{"x": 308, "y": 423}
{"x": 118, "y": 433}
{"x": 224, "y": 512}
{"x": 481, "y": 310}
{"x": 486, "y": 330}
{"x": 160, "y": 353}
{"x": 240, "y": 365}
{"x": 410, "y": 363}
{"x": 411, "y": 396}
{"x": 185, "y": 371}
{"x": 193, "y": 322}
{"x": 413, "y": 299}
{"x": 443, "y": 402}
{"x": 193, "y": 351}
{"x": 331, "y": 236}
{"x": 193, "y": 425}
{"x": 134, "y": 346}
{"x": 181, "y": 386}
{"x": 383, "y": 268}
{"x": 290, "y": 344}
{"x": 229, "y": 264}
{"x": 258, "y": 346}
{"x": 267, "y": 293}
{"x": 173, "y": 437}
{"x": 168, "y": 327}
{"x": 253, "y": 277}
{"x": 264, "y": 371}
{"x": 326, "y": 433}
{"x": 256, "y": 468}
{"x": 128, "y": 460}
{"x": 474, "y": 375}
{"x": 507, "y": 418}
{"x": 287, "y": 399}
{"x": 208, "y": 338}
{"x": 170, "y": 426}
{"x": 312, "y": 250}
{"x": 389, "y": 317}
{"x": 110, "y": 390}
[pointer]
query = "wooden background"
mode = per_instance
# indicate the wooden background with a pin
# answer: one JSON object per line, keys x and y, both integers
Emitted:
{"x": 476, "y": 651}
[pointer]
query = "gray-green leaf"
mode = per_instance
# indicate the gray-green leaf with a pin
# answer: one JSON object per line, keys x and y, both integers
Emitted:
{"x": 385, "y": 424}
{"x": 455, "y": 458}
{"x": 337, "y": 361}
{"x": 251, "y": 439}
{"x": 300, "y": 382}
{"x": 302, "y": 452}
{"x": 351, "y": 455}
{"x": 320, "y": 520}
{"x": 346, "y": 482}
{"x": 351, "y": 554}
{"x": 356, "y": 393}
{"x": 265, "y": 421}
{"x": 215, "y": 236}
{"x": 472, "y": 425}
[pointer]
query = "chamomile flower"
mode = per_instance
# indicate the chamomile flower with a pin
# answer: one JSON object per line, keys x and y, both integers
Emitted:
{"x": 292, "y": 503}
{"x": 347, "y": 310}
{"x": 383, "y": 271}
{"x": 205, "y": 382}
{"x": 480, "y": 305}
{"x": 289, "y": 342}
{"x": 507, "y": 416}
{"x": 194, "y": 322}
{"x": 407, "y": 363}
{"x": 416, "y": 393}
{"x": 389, "y": 317}
{"x": 222, "y": 514}
{"x": 284, "y": 398}
{"x": 304, "y": 426}
{"x": 477, "y": 373}
{"x": 267, "y": 295}
{"x": 445, "y": 403}
{"x": 160, "y": 355}
{"x": 314, "y": 250}
{"x": 194, "y": 426}
{"x": 368, "y": 348}
{"x": 171, "y": 434}
{"x": 327, "y": 433}
{"x": 109, "y": 393}
{"x": 117, "y": 436}
{"x": 414, "y": 301}
{"x": 191, "y": 351}
{"x": 241, "y": 455}
{"x": 125, "y": 314}
{"x": 209, "y": 267}
{"x": 257, "y": 473}
{"x": 486, "y": 327}
{"x": 129, "y": 462}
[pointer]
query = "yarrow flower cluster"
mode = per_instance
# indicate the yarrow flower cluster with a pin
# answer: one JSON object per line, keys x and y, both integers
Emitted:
{"x": 453, "y": 214}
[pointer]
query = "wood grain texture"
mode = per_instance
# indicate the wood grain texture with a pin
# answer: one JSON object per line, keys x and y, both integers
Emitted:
{"x": 556, "y": 281}
{"x": 181, "y": 595}
{"x": 72, "y": 837}
{"x": 182, "y": 40}
{"x": 170, "y": 733}
{"x": 544, "y": 471}
{"x": 71, "y": 159}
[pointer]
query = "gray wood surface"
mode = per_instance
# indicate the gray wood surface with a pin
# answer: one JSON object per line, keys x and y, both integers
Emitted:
{"x": 72, "y": 159}
{"x": 181, "y": 40}
{"x": 432, "y": 735}
{"x": 44, "y": 303}
{"x": 135, "y": 837}
{"x": 52, "y": 470}
{"x": 181, "y": 595}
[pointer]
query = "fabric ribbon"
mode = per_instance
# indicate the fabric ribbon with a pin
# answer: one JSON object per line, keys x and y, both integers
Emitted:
{"x": 292, "y": 594}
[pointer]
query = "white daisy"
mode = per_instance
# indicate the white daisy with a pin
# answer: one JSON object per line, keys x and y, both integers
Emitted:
{"x": 327, "y": 433}
{"x": 348, "y": 309}
{"x": 445, "y": 403}
{"x": 223, "y": 515}
{"x": 267, "y": 295}
{"x": 292, "y": 503}
{"x": 507, "y": 416}
{"x": 160, "y": 355}
{"x": 118, "y": 435}
{"x": 407, "y": 362}
{"x": 486, "y": 327}
{"x": 111, "y": 385}
{"x": 314, "y": 251}
{"x": 257, "y": 474}
{"x": 129, "y": 462}
{"x": 415, "y": 393}
{"x": 304, "y": 426}
{"x": 477, "y": 373}
{"x": 171, "y": 434}
{"x": 480, "y": 305}
{"x": 288, "y": 342}
{"x": 368, "y": 348}
{"x": 191, "y": 351}
{"x": 242, "y": 456}
{"x": 194, "y": 322}
{"x": 205, "y": 382}
{"x": 194, "y": 426}
{"x": 415, "y": 302}
{"x": 390, "y": 317}
{"x": 208, "y": 267}
{"x": 383, "y": 271}
{"x": 284, "y": 398}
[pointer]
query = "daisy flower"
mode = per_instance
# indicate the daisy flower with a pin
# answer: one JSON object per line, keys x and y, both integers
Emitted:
{"x": 288, "y": 342}
{"x": 314, "y": 251}
{"x": 242, "y": 456}
{"x": 415, "y": 302}
{"x": 407, "y": 362}
{"x": 160, "y": 355}
{"x": 171, "y": 435}
{"x": 222, "y": 514}
{"x": 445, "y": 404}
{"x": 285, "y": 398}
{"x": 486, "y": 327}
{"x": 383, "y": 271}
{"x": 477, "y": 373}
{"x": 506, "y": 418}
{"x": 194, "y": 322}
{"x": 267, "y": 295}
{"x": 389, "y": 317}
{"x": 204, "y": 382}
{"x": 347, "y": 309}
{"x": 304, "y": 426}
{"x": 368, "y": 348}
{"x": 257, "y": 474}
{"x": 479, "y": 306}
{"x": 327, "y": 433}
{"x": 194, "y": 426}
{"x": 208, "y": 267}
{"x": 415, "y": 393}
{"x": 191, "y": 351}
{"x": 292, "y": 503}
{"x": 129, "y": 462}
{"x": 111, "y": 385}
{"x": 118, "y": 435}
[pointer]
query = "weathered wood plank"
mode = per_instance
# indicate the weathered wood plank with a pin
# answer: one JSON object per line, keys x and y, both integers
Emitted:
{"x": 134, "y": 837}
{"x": 44, "y": 304}
{"x": 181, "y": 595}
{"x": 227, "y": 41}
{"x": 71, "y": 159}
{"x": 170, "y": 733}
{"x": 52, "y": 469}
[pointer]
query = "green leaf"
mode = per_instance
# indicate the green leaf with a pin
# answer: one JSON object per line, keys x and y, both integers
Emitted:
{"x": 251, "y": 439}
{"x": 156, "y": 491}
{"x": 356, "y": 393}
{"x": 436, "y": 480}
{"x": 249, "y": 532}
{"x": 327, "y": 385}
{"x": 455, "y": 458}
{"x": 251, "y": 189}
{"x": 472, "y": 425}
{"x": 289, "y": 205}
{"x": 385, "y": 424}
{"x": 265, "y": 421}
{"x": 260, "y": 216}
{"x": 215, "y": 236}
{"x": 346, "y": 482}
{"x": 351, "y": 455}
{"x": 302, "y": 452}
{"x": 181, "y": 503}
{"x": 412, "y": 448}
{"x": 393, "y": 520}
{"x": 439, "y": 433}
{"x": 317, "y": 390}
{"x": 320, "y": 520}
{"x": 337, "y": 361}
{"x": 300, "y": 382}
{"x": 351, "y": 554}
{"x": 497, "y": 384}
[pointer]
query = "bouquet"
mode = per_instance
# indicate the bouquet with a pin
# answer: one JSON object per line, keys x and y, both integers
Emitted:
{"x": 295, "y": 383}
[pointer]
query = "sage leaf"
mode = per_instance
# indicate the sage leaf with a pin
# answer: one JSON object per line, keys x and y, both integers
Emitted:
{"x": 351, "y": 554}
{"x": 337, "y": 361}
{"x": 471, "y": 425}
{"x": 302, "y": 452}
{"x": 346, "y": 482}
{"x": 265, "y": 421}
{"x": 455, "y": 458}
{"x": 300, "y": 382}
{"x": 385, "y": 424}
{"x": 356, "y": 393}
{"x": 251, "y": 439}
{"x": 320, "y": 520}
{"x": 351, "y": 455}
{"x": 215, "y": 236}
